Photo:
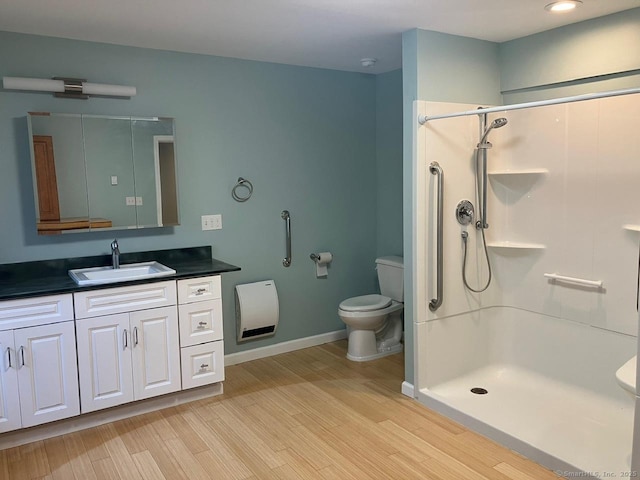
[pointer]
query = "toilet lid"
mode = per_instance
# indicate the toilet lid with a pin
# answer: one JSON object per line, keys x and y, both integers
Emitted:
{"x": 365, "y": 303}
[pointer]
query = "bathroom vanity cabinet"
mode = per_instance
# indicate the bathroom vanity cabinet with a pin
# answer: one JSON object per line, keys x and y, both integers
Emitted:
{"x": 38, "y": 372}
{"x": 72, "y": 357}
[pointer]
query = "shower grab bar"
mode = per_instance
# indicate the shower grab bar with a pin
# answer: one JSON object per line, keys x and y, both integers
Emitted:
{"x": 577, "y": 281}
{"x": 287, "y": 219}
{"x": 436, "y": 169}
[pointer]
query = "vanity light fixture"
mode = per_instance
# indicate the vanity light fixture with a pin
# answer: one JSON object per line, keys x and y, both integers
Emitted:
{"x": 67, "y": 87}
{"x": 563, "y": 6}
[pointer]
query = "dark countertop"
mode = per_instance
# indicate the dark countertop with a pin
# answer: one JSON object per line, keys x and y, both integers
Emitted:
{"x": 48, "y": 277}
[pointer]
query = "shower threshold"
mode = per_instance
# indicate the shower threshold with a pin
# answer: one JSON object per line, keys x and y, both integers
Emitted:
{"x": 564, "y": 427}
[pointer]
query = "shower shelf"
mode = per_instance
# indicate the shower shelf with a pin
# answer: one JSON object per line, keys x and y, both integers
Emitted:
{"x": 516, "y": 245}
{"x": 514, "y": 173}
{"x": 631, "y": 228}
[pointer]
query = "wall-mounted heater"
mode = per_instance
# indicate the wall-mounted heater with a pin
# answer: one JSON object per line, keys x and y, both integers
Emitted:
{"x": 257, "y": 310}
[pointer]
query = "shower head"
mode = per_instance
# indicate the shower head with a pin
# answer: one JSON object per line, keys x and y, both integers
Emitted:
{"x": 497, "y": 123}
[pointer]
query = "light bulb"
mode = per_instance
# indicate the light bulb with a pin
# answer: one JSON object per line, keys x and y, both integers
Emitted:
{"x": 562, "y": 6}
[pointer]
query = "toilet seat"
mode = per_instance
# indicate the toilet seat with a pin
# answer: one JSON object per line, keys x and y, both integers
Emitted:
{"x": 365, "y": 303}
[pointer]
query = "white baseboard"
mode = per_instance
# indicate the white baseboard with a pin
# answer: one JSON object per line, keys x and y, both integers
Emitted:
{"x": 408, "y": 390}
{"x": 283, "y": 347}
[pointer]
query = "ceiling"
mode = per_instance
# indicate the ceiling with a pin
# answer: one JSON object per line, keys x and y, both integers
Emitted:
{"x": 333, "y": 34}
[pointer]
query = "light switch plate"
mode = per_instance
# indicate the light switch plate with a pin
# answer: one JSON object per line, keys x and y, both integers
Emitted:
{"x": 211, "y": 222}
{"x": 138, "y": 200}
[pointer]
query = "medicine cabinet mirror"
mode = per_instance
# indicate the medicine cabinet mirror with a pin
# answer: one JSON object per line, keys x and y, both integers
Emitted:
{"x": 95, "y": 172}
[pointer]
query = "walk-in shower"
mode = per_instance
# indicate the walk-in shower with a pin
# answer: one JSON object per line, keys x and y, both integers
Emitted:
{"x": 541, "y": 349}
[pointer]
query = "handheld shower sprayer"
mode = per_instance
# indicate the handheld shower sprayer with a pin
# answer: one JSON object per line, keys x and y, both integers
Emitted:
{"x": 497, "y": 123}
{"x": 481, "y": 188}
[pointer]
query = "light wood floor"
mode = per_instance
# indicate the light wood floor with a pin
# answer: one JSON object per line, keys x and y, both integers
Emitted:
{"x": 309, "y": 414}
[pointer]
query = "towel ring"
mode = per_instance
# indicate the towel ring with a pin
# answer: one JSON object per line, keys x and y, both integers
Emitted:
{"x": 242, "y": 183}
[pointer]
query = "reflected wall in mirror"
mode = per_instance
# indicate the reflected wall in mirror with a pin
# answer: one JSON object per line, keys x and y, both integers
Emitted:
{"x": 94, "y": 172}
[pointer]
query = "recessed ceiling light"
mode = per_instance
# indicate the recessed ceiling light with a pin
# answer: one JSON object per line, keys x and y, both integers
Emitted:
{"x": 563, "y": 6}
{"x": 368, "y": 62}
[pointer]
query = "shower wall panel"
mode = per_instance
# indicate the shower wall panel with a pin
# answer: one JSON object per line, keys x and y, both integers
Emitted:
{"x": 577, "y": 210}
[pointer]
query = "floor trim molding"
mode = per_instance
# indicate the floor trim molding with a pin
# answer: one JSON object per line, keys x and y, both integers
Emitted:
{"x": 283, "y": 347}
{"x": 408, "y": 389}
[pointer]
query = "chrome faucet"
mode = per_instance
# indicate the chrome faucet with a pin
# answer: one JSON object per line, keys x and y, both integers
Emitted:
{"x": 115, "y": 254}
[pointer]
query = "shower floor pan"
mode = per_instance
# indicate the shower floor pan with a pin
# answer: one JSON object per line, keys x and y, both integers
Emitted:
{"x": 562, "y": 426}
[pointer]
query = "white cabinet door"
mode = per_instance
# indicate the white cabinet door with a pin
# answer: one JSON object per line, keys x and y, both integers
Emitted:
{"x": 156, "y": 354}
{"x": 9, "y": 399}
{"x": 47, "y": 373}
{"x": 104, "y": 351}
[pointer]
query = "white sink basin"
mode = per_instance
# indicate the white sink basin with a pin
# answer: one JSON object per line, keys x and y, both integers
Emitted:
{"x": 626, "y": 376}
{"x": 126, "y": 273}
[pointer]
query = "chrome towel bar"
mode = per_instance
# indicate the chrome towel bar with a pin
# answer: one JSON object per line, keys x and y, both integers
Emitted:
{"x": 436, "y": 169}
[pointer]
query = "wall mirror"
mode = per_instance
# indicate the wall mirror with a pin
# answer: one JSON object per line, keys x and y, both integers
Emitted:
{"x": 96, "y": 172}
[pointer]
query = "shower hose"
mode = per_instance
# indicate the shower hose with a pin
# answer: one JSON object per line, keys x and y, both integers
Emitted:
{"x": 465, "y": 236}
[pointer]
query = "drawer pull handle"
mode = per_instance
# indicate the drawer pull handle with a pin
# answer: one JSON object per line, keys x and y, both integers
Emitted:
{"x": 9, "y": 357}
{"x": 125, "y": 342}
{"x": 202, "y": 324}
{"x": 204, "y": 366}
{"x": 201, "y": 291}
{"x": 135, "y": 336}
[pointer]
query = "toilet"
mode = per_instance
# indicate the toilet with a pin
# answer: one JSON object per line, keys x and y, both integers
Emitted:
{"x": 374, "y": 322}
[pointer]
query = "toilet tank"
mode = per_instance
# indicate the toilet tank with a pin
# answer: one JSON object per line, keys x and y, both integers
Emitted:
{"x": 391, "y": 277}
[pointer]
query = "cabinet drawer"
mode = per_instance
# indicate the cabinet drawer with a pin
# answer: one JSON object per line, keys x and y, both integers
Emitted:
{"x": 200, "y": 322}
{"x": 31, "y": 312}
{"x": 202, "y": 364}
{"x": 124, "y": 299}
{"x": 199, "y": 289}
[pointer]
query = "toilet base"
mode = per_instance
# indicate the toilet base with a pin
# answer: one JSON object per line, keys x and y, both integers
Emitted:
{"x": 365, "y": 345}
{"x": 374, "y": 356}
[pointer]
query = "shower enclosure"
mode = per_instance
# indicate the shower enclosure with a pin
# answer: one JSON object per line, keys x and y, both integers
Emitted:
{"x": 531, "y": 360}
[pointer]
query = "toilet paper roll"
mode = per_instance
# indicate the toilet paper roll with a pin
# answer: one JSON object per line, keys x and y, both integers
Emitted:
{"x": 324, "y": 258}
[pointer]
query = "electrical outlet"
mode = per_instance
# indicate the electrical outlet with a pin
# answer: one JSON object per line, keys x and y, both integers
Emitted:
{"x": 211, "y": 222}
{"x": 138, "y": 201}
{"x": 130, "y": 201}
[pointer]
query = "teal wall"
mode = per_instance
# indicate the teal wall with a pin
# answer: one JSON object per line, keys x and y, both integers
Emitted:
{"x": 389, "y": 163}
{"x": 595, "y": 55}
{"x": 457, "y": 69}
{"x": 444, "y": 68}
{"x": 305, "y": 137}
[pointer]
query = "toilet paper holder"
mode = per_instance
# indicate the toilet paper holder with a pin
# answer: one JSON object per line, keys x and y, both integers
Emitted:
{"x": 317, "y": 257}
{"x": 322, "y": 261}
